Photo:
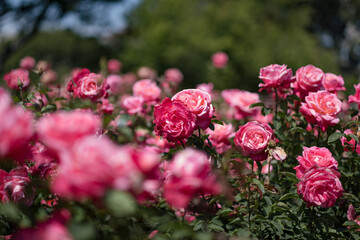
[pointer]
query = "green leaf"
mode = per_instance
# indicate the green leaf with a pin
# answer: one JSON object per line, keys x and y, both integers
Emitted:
{"x": 217, "y": 121}
{"x": 259, "y": 104}
{"x": 120, "y": 204}
{"x": 288, "y": 196}
{"x": 335, "y": 136}
{"x": 211, "y": 126}
{"x": 48, "y": 108}
{"x": 259, "y": 184}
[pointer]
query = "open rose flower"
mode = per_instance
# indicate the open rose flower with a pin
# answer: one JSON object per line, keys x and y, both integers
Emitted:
{"x": 356, "y": 97}
{"x": 13, "y": 186}
{"x": 308, "y": 79}
{"x": 253, "y": 139}
{"x": 148, "y": 90}
{"x": 114, "y": 66}
{"x": 314, "y": 157}
{"x": 320, "y": 187}
{"x": 333, "y": 83}
{"x": 17, "y": 79}
{"x": 220, "y": 137}
{"x": 219, "y": 59}
{"x": 88, "y": 85}
{"x": 16, "y": 129}
{"x": 173, "y": 75}
{"x": 189, "y": 173}
{"x": 275, "y": 76}
{"x": 27, "y": 63}
{"x": 60, "y": 130}
{"x": 133, "y": 104}
{"x": 115, "y": 82}
{"x": 321, "y": 108}
{"x": 240, "y": 101}
{"x": 173, "y": 120}
{"x": 199, "y": 103}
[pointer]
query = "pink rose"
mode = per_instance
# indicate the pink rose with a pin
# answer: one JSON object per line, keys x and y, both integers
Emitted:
{"x": 84, "y": 170}
{"x": 308, "y": 79}
{"x": 49, "y": 77}
{"x": 60, "y": 130}
{"x": 253, "y": 138}
{"x": 314, "y": 157}
{"x": 133, "y": 104}
{"x": 13, "y": 186}
{"x": 275, "y": 76}
{"x": 188, "y": 174}
{"x": 320, "y": 187}
{"x": 52, "y": 229}
{"x": 199, "y": 103}
{"x": 351, "y": 142}
{"x": 356, "y": 97}
{"x": 105, "y": 106}
{"x": 114, "y": 66}
{"x": 146, "y": 73}
{"x": 17, "y": 79}
{"x": 88, "y": 85}
{"x": 147, "y": 89}
{"x": 240, "y": 101}
{"x": 220, "y": 137}
{"x": 173, "y": 75}
{"x": 27, "y": 63}
{"x": 206, "y": 87}
{"x": 333, "y": 83}
{"x": 321, "y": 108}
{"x": 115, "y": 82}
{"x": 219, "y": 59}
{"x": 16, "y": 129}
{"x": 173, "y": 120}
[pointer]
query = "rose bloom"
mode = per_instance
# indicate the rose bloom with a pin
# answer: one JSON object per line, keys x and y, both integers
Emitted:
{"x": 321, "y": 108}
{"x": 133, "y": 104}
{"x": 114, "y": 66}
{"x": 199, "y": 103}
{"x": 351, "y": 215}
{"x": 13, "y": 186}
{"x": 146, "y": 73}
{"x": 173, "y": 120}
{"x": 88, "y": 85}
{"x": 49, "y": 77}
{"x": 275, "y": 76}
{"x": 220, "y": 136}
{"x": 219, "y": 59}
{"x": 147, "y": 89}
{"x": 356, "y": 97}
{"x": 60, "y": 130}
{"x": 87, "y": 162}
{"x": 42, "y": 66}
{"x": 115, "y": 82}
{"x": 104, "y": 106}
{"x": 253, "y": 138}
{"x": 52, "y": 229}
{"x": 206, "y": 87}
{"x": 320, "y": 187}
{"x": 27, "y": 63}
{"x": 173, "y": 75}
{"x": 188, "y": 174}
{"x": 308, "y": 79}
{"x": 240, "y": 101}
{"x": 351, "y": 142}
{"x": 314, "y": 157}
{"x": 17, "y": 78}
{"x": 333, "y": 83}
{"x": 16, "y": 129}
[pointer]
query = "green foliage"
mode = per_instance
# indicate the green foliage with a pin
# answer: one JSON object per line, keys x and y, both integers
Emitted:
{"x": 184, "y": 34}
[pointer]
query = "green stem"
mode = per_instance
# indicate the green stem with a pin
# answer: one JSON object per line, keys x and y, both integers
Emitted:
{"x": 182, "y": 144}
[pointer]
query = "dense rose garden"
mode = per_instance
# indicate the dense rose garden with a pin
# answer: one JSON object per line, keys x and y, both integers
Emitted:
{"x": 114, "y": 155}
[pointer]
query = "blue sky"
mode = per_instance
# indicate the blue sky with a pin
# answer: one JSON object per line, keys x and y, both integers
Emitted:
{"x": 112, "y": 13}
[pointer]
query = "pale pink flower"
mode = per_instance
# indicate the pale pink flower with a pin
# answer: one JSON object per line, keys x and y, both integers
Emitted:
{"x": 321, "y": 108}
{"x": 173, "y": 75}
{"x": 356, "y": 97}
{"x": 333, "y": 83}
{"x": 27, "y": 63}
{"x": 220, "y": 137}
{"x": 275, "y": 76}
{"x": 308, "y": 79}
{"x": 17, "y": 79}
{"x": 114, "y": 66}
{"x": 219, "y": 59}
{"x": 115, "y": 82}
{"x": 148, "y": 90}
{"x": 133, "y": 104}
{"x": 199, "y": 103}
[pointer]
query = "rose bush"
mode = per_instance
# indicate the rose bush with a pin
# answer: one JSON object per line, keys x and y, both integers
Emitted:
{"x": 129, "y": 156}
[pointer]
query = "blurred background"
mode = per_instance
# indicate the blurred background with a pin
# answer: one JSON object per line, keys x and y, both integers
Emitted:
{"x": 184, "y": 34}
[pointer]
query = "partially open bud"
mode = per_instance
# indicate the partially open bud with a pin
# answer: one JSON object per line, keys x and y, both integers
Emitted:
{"x": 279, "y": 154}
